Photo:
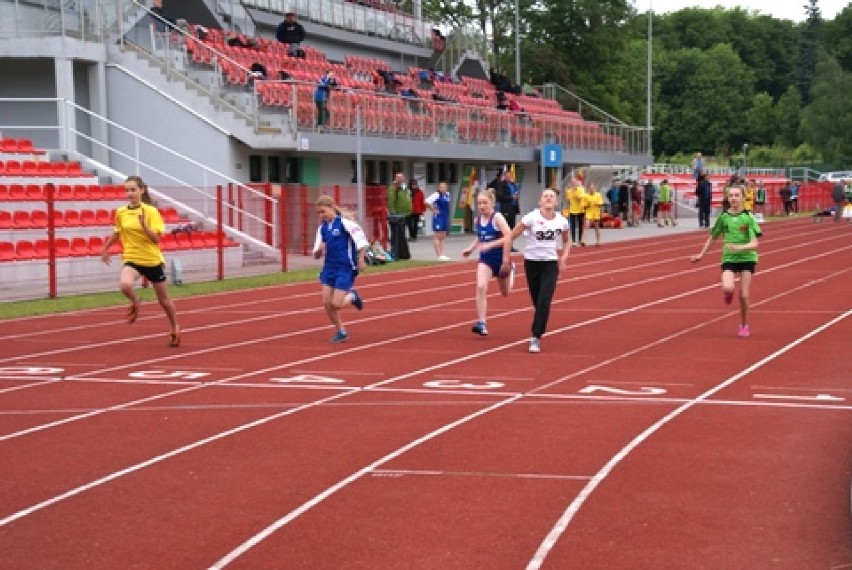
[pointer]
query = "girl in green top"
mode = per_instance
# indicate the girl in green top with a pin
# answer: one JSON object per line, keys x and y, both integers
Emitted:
{"x": 739, "y": 252}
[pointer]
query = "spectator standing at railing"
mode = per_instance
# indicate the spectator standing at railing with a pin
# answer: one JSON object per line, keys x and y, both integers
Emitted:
{"x": 321, "y": 97}
{"x": 292, "y": 33}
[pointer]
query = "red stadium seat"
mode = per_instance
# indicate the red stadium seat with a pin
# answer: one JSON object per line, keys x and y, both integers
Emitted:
{"x": 95, "y": 245}
{"x": 17, "y": 192}
{"x": 96, "y": 192}
{"x": 41, "y": 249}
{"x": 64, "y": 192}
{"x": 29, "y": 168}
{"x": 81, "y": 192}
{"x": 104, "y": 218}
{"x": 58, "y": 219}
{"x": 13, "y": 168}
{"x": 8, "y": 145}
{"x": 5, "y": 220}
{"x": 4, "y": 192}
{"x": 24, "y": 250}
{"x": 168, "y": 242}
{"x": 87, "y": 218}
{"x": 63, "y": 247}
{"x": 182, "y": 241}
{"x": 79, "y": 247}
{"x": 72, "y": 218}
{"x": 21, "y": 220}
{"x": 115, "y": 192}
{"x": 170, "y": 215}
{"x": 34, "y": 192}
{"x": 7, "y": 251}
{"x": 38, "y": 219}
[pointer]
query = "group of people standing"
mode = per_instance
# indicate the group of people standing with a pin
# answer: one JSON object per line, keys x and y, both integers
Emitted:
{"x": 406, "y": 205}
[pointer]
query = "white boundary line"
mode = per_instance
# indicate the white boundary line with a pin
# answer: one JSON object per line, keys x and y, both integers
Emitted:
{"x": 563, "y": 522}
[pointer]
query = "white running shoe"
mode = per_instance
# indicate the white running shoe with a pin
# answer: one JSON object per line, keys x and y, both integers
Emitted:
{"x": 444, "y": 258}
{"x": 535, "y": 345}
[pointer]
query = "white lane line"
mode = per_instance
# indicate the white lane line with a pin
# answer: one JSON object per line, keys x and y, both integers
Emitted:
{"x": 263, "y": 534}
{"x": 563, "y": 522}
{"x": 481, "y": 474}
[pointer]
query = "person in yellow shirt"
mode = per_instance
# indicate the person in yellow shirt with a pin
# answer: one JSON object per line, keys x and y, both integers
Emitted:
{"x": 593, "y": 204}
{"x": 576, "y": 196}
{"x": 748, "y": 196}
{"x": 139, "y": 227}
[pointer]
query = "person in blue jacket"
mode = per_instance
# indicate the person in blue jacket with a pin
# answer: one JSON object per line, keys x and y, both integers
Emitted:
{"x": 322, "y": 94}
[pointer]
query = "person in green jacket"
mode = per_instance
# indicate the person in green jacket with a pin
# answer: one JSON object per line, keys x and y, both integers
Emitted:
{"x": 399, "y": 208}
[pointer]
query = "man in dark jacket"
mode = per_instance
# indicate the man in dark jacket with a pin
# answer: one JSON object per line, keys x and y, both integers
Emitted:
{"x": 291, "y": 32}
{"x": 704, "y": 197}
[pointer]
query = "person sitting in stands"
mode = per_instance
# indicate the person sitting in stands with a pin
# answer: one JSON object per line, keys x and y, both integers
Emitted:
{"x": 292, "y": 33}
{"x": 502, "y": 102}
{"x": 239, "y": 40}
{"x": 257, "y": 71}
{"x": 529, "y": 89}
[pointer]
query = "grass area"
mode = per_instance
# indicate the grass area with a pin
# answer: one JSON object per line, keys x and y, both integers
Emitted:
{"x": 30, "y": 308}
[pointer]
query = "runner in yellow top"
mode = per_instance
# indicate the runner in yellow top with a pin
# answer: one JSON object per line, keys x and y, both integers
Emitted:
{"x": 576, "y": 195}
{"x": 594, "y": 203}
{"x": 139, "y": 227}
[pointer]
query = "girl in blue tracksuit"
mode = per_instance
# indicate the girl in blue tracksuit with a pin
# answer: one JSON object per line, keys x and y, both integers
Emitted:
{"x": 492, "y": 239}
{"x": 440, "y": 203}
{"x": 344, "y": 245}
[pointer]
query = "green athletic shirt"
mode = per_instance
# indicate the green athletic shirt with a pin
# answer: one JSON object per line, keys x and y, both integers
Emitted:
{"x": 736, "y": 229}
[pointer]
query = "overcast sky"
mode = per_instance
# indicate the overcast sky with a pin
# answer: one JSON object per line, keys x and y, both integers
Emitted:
{"x": 786, "y": 9}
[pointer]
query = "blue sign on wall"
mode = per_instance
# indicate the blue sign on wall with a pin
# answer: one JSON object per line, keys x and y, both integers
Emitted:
{"x": 551, "y": 155}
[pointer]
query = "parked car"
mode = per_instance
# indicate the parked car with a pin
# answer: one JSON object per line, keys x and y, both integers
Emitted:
{"x": 836, "y": 176}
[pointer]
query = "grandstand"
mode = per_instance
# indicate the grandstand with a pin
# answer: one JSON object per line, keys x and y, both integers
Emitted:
{"x": 103, "y": 89}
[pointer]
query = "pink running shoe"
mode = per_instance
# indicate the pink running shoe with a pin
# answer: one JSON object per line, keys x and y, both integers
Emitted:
{"x": 728, "y": 296}
{"x": 743, "y": 331}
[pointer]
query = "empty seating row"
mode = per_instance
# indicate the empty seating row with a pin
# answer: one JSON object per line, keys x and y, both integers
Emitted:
{"x": 18, "y": 146}
{"x": 83, "y": 192}
{"x": 41, "y": 168}
{"x": 37, "y": 219}
{"x": 25, "y": 250}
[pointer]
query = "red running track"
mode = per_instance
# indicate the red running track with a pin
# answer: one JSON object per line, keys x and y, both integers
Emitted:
{"x": 644, "y": 435}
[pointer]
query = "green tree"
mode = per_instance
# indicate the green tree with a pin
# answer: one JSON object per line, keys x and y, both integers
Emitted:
{"x": 808, "y": 55}
{"x": 827, "y": 120}
{"x": 837, "y": 38}
{"x": 788, "y": 116}
{"x": 761, "y": 120}
{"x": 587, "y": 34}
{"x": 708, "y": 94}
